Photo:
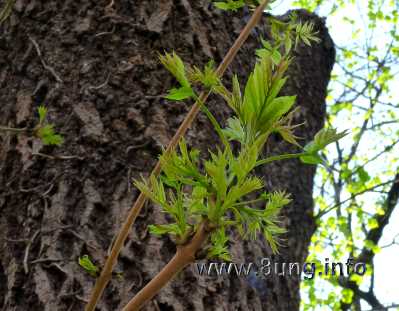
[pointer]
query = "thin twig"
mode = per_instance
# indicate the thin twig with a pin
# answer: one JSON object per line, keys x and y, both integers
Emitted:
{"x": 42, "y": 260}
{"x": 57, "y": 157}
{"x": 111, "y": 261}
{"x": 27, "y": 249}
{"x": 47, "y": 67}
{"x": 329, "y": 209}
{"x": 110, "y": 5}
{"x": 77, "y": 235}
{"x": 12, "y": 129}
{"x": 105, "y": 33}
{"x": 91, "y": 87}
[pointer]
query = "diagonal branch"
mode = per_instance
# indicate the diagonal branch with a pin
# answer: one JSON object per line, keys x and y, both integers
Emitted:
{"x": 374, "y": 235}
{"x": 367, "y": 255}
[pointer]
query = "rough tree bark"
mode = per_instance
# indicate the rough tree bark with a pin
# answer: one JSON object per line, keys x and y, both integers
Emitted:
{"x": 94, "y": 65}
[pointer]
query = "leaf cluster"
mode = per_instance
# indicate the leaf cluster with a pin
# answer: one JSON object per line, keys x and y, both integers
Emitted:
{"x": 223, "y": 188}
{"x": 218, "y": 192}
{"x": 45, "y": 131}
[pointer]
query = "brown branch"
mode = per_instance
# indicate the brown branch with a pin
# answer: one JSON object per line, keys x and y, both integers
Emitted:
{"x": 386, "y": 308}
{"x": 367, "y": 255}
{"x": 185, "y": 255}
{"x": 57, "y": 157}
{"x": 106, "y": 272}
{"x": 374, "y": 235}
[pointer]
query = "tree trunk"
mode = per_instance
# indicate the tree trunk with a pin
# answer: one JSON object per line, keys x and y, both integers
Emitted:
{"x": 94, "y": 65}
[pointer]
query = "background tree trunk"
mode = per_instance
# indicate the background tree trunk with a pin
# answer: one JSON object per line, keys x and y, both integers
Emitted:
{"x": 94, "y": 65}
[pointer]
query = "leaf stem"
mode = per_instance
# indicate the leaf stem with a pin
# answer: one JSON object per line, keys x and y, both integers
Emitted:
{"x": 106, "y": 272}
{"x": 249, "y": 202}
{"x": 279, "y": 157}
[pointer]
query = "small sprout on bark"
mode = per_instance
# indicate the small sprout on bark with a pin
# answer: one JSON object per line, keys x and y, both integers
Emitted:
{"x": 42, "y": 111}
{"x": 86, "y": 263}
{"x": 46, "y": 132}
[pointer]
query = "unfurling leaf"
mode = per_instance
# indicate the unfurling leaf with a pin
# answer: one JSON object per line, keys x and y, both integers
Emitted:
{"x": 323, "y": 138}
{"x": 219, "y": 248}
{"x": 42, "y": 111}
{"x": 305, "y": 32}
{"x": 175, "y": 65}
{"x": 209, "y": 77}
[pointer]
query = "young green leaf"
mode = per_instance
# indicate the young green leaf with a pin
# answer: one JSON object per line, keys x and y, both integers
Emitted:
{"x": 181, "y": 93}
{"x": 264, "y": 221}
{"x": 245, "y": 162}
{"x": 287, "y": 134}
{"x": 182, "y": 168}
{"x": 274, "y": 111}
{"x": 208, "y": 77}
{"x": 311, "y": 159}
{"x": 176, "y": 67}
{"x": 305, "y": 32}
{"x": 49, "y": 137}
{"x": 234, "y": 130}
{"x": 230, "y": 5}
{"x": 256, "y": 91}
{"x": 219, "y": 248}
{"x": 164, "y": 229}
{"x": 216, "y": 169}
{"x": 323, "y": 138}
{"x": 88, "y": 265}
{"x": 238, "y": 191}
{"x": 42, "y": 111}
